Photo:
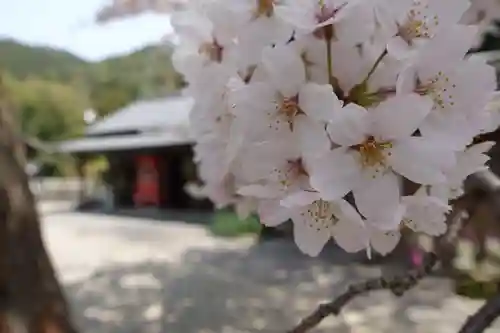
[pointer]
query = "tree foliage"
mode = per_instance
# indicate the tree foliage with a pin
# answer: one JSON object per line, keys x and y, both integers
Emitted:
{"x": 50, "y": 89}
{"x": 25, "y": 61}
{"x": 106, "y": 85}
{"x": 47, "y": 110}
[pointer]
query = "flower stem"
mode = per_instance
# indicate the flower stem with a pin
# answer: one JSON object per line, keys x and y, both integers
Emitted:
{"x": 329, "y": 63}
{"x": 381, "y": 93}
{"x": 374, "y": 67}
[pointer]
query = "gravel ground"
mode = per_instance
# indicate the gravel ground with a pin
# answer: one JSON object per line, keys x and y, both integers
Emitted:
{"x": 137, "y": 275}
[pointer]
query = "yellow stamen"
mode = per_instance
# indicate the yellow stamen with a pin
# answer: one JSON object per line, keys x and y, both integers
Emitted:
{"x": 418, "y": 24}
{"x": 438, "y": 88}
{"x": 265, "y": 8}
{"x": 287, "y": 107}
{"x": 372, "y": 152}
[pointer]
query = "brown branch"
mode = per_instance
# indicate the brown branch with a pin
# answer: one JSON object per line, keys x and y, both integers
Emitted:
{"x": 397, "y": 285}
{"x": 484, "y": 188}
{"x": 484, "y": 317}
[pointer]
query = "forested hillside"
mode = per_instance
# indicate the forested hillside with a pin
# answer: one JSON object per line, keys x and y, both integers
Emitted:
{"x": 43, "y": 80}
{"x": 144, "y": 73}
{"x": 50, "y": 88}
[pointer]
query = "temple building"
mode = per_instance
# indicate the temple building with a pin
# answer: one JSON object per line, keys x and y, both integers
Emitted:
{"x": 148, "y": 148}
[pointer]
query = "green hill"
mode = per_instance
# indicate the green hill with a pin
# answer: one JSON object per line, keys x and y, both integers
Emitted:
{"x": 49, "y": 88}
{"x": 148, "y": 70}
{"x": 23, "y": 61}
{"x": 108, "y": 84}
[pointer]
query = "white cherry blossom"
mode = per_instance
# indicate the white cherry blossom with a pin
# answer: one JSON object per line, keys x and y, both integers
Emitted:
{"x": 348, "y": 21}
{"x": 271, "y": 109}
{"x": 460, "y": 89}
{"x": 272, "y": 171}
{"x": 349, "y": 64}
{"x": 302, "y": 106}
{"x": 201, "y": 43}
{"x": 472, "y": 160}
{"x": 425, "y": 213}
{"x": 316, "y": 221}
{"x": 419, "y": 20}
{"x": 420, "y": 213}
{"x": 375, "y": 146}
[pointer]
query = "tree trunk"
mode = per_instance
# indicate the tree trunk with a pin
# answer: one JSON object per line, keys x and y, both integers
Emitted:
{"x": 31, "y": 299}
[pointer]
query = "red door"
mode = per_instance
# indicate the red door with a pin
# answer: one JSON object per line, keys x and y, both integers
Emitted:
{"x": 147, "y": 182}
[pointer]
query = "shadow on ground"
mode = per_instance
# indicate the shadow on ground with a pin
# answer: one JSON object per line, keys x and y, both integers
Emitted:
{"x": 264, "y": 289}
{"x": 193, "y": 216}
{"x": 187, "y": 215}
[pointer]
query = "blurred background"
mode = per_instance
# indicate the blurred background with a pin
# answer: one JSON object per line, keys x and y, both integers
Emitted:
{"x": 105, "y": 128}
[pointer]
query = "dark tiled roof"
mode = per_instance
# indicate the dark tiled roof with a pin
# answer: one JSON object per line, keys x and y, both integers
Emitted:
{"x": 144, "y": 116}
{"x": 147, "y": 124}
{"x": 122, "y": 142}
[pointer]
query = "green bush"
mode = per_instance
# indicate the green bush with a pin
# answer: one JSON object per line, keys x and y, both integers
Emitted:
{"x": 226, "y": 223}
{"x": 468, "y": 287}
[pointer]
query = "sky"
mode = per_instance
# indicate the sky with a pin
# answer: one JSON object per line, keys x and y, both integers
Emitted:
{"x": 68, "y": 24}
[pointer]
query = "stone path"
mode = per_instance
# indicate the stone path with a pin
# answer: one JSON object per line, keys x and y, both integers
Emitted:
{"x": 125, "y": 275}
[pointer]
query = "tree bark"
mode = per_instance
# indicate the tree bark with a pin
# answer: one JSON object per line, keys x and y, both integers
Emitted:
{"x": 31, "y": 299}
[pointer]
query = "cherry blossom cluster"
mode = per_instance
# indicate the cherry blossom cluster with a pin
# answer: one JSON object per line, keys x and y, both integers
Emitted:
{"x": 354, "y": 119}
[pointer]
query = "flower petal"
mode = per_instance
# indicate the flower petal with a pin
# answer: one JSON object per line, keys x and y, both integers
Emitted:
{"x": 384, "y": 241}
{"x": 349, "y": 125}
{"x": 389, "y": 222}
{"x": 319, "y": 101}
{"x": 309, "y": 240}
{"x": 447, "y": 48}
{"x": 421, "y": 161}
{"x": 350, "y": 232}
{"x": 334, "y": 174}
{"x": 407, "y": 80}
{"x": 298, "y": 13}
{"x": 300, "y": 198}
{"x": 350, "y": 236}
{"x": 354, "y": 23}
{"x": 379, "y": 198}
{"x": 426, "y": 214}
{"x": 311, "y": 136}
{"x": 258, "y": 191}
{"x": 271, "y": 213}
{"x": 286, "y": 69}
{"x": 399, "y": 116}
{"x": 398, "y": 48}
{"x": 453, "y": 130}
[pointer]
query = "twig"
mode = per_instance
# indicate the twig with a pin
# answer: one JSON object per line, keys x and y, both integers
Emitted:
{"x": 397, "y": 285}
{"x": 484, "y": 317}
{"x": 488, "y": 184}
